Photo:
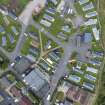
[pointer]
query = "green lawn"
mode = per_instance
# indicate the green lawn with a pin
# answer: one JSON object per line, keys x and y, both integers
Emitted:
{"x": 26, "y": 46}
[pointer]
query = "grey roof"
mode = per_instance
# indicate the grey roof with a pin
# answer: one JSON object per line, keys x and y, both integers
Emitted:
{"x": 87, "y": 37}
{"x": 83, "y": 1}
{"x": 4, "y": 40}
{"x": 88, "y": 7}
{"x": 22, "y": 65}
{"x": 36, "y": 80}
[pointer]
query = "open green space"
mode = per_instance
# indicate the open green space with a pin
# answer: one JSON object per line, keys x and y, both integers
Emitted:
{"x": 26, "y": 46}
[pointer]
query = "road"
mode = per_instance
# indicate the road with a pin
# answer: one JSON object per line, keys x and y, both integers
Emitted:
{"x": 20, "y": 43}
{"x": 61, "y": 68}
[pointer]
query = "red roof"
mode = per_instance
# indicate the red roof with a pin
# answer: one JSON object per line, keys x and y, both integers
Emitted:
{"x": 25, "y": 101}
{"x": 15, "y": 92}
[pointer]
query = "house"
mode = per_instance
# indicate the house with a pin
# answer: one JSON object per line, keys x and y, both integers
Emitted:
{"x": 98, "y": 54}
{"x": 91, "y": 22}
{"x": 92, "y": 70}
{"x": 90, "y": 77}
{"x": 75, "y": 78}
{"x": 5, "y": 83}
{"x": 91, "y": 14}
{"x": 62, "y": 36}
{"x": 55, "y": 2}
{"x": 95, "y": 62}
{"x": 87, "y": 37}
{"x": 5, "y": 99}
{"x": 50, "y": 61}
{"x": 48, "y": 44}
{"x": 51, "y": 11}
{"x": 4, "y": 40}
{"x": 45, "y": 23}
{"x": 45, "y": 65}
{"x": 81, "y": 2}
{"x": 48, "y": 17}
{"x": 11, "y": 37}
{"x": 78, "y": 95}
{"x": 25, "y": 101}
{"x": 35, "y": 44}
{"x": 96, "y": 33}
{"x": 54, "y": 56}
{"x": 15, "y": 92}
{"x": 88, "y": 7}
{"x": 77, "y": 70}
{"x": 12, "y": 15}
{"x": 37, "y": 81}
{"x": 22, "y": 65}
{"x": 33, "y": 51}
{"x": 88, "y": 86}
{"x": 31, "y": 57}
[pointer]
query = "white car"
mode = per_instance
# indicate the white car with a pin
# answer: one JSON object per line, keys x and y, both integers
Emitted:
{"x": 12, "y": 64}
{"x": 48, "y": 97}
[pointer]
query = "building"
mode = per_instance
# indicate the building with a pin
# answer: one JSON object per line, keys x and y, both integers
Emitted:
{"x": 89, "y": 86}
{"x": 15, "y": 92}
{"x": 45, "y": 23}
{"x": 38, "y": 82}
{"x": 4, "y": 40}
{"x": 96, "y": 33}
{"x": 98, "y": 54}
{"x": 91, "y": 22}
{"x": 5, "y": 99}
{"x": 88, "y": 7}
{"x": 92, "y": 70}
{"x": 76, "y": 94}
{"x": 45, "y": 65}
{"x": 95, "y": 62}
{"x": 48, "y": 17}
{"x": 51, "y": 11}
{"x": 75, "y": 78}
{"x": 25, "y": 101}
{"x": 87, "y": 37}
{"x": 54, "y": 56}
{"x": 81, "y": 2}
{"x": 22, "y": 65}
{"x": 31, "y": 58}
{"x": 90, "y": 77}
{"x": 12, "y": 15}
{"x": 91, "y": 14}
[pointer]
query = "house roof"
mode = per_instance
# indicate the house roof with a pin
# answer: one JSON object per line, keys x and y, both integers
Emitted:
{"x": 35, "y": 79}
{"x": 25, "y": 101}
{"x": 22, "y": 65}
{"x": 87, "y": 37}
